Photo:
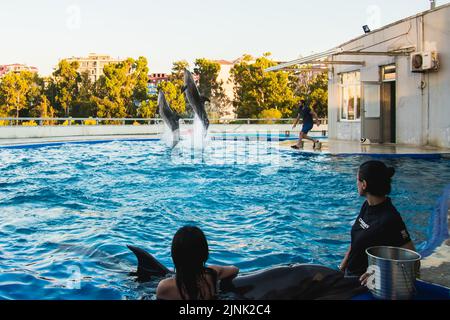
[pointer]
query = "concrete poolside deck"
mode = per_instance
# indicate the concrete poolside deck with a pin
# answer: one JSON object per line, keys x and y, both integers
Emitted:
{"x": 339, "y": 147}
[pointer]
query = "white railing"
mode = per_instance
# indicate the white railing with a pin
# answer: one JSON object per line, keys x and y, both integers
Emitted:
{"x": 23, "y": 121}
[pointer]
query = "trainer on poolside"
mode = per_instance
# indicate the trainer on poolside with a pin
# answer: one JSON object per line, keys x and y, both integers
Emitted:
{"x": 378, "y": 223}
{"x": 307, "y": 114}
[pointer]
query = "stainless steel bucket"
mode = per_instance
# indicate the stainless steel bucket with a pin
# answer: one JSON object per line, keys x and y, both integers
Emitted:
{"x": 392, "y": 272}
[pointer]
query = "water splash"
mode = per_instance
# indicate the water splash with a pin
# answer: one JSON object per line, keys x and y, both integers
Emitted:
{"x": 169, "y": 137}
{"x": 200, "y": 135}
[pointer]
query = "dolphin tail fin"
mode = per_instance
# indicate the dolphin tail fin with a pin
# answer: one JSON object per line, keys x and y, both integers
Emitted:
{"x": 148, "y": 266}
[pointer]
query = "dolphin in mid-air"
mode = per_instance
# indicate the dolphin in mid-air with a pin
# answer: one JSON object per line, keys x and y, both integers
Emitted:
{"x": 194, "y": 98}
{"x": 170, "y": 118}
{"x": 295, "y": 282}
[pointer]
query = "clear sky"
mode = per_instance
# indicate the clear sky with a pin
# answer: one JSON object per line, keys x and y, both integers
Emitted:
{"x": 40, "y": 32}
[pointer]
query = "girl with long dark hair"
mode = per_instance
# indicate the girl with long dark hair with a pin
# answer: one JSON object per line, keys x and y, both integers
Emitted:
{"x": 193, "y": 279}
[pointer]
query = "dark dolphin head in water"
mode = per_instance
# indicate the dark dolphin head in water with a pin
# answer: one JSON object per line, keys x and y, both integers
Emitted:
{"x": 196, "y": 101}
{"x": 300, "y": 282}
{"x": 170, "y": 117}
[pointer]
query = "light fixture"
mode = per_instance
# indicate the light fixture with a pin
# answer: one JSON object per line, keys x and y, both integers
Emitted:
{"x": 366, "y": 29}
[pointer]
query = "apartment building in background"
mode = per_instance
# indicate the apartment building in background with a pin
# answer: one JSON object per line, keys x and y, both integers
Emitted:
{"x": 93, "y": 64}
{"x": 154, "y": 79}
{"x": 16, "y": 67}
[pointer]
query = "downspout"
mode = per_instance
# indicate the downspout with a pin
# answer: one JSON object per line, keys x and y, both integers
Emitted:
{"x": 425, "y": 105}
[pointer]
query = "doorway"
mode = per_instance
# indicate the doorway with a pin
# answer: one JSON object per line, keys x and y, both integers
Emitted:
{"x": 388, "y": 104}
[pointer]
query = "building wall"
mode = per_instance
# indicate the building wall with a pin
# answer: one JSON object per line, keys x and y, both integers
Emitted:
{"x": 93, "y": 64}
{"x": 154, "y": 80}
{"x": 422, "y": 115}
{"x": 437, "y": 36}
{"x": 5, "y": 69}
{"x": 228, "y": 86}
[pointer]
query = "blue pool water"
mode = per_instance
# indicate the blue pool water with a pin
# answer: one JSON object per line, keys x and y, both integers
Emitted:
{"x": 68, "y": 211}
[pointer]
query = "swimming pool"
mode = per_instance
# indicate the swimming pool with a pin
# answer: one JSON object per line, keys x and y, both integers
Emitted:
{"x": 68, "y": 211}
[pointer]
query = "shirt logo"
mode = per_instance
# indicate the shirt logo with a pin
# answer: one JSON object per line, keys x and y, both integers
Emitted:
{"x": 362, "y": 224}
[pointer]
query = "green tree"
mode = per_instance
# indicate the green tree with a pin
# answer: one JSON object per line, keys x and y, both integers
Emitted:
{"x": 115, "y": 90}
{"x": 210, "y": 87}
{"x": 43, "y": 109}
{"x": 19, "y": 92}
{"x": 256, "y": 90}
{"x": 83, "y": 106}
{"x": 178, "y": 70}
{"x": 313, "y": 87}
{"x": 174, "y": 96}
{"x": 147, "y": 109}
{"x": 207, "y": 71}
{"x": 270, "y": 114}
{"x": 124, "y": 84}
{"x": 106, "y": 108}
{"x": 140, "y": 90}
{"x": 66, "y": 80}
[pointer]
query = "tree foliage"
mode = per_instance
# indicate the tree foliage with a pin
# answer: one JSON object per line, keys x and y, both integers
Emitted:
{"x": 313, "y": 87}
{"x": 122, "y": 88}
{"x": 123, "y": 92}
{"x": 270, "y": 114}
{"x": 178, "y": 70}
{"x": 210, "y": 87}
{"x": 256, "y": 90}
{"x": 65, "y": 81}
{"x": 174, "y": 95}
{"x": 20, "y": 92}
{"x": 147, "y": 109}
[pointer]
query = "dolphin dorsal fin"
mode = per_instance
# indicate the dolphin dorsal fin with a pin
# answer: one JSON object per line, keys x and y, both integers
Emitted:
{"x": 147, "y": 265}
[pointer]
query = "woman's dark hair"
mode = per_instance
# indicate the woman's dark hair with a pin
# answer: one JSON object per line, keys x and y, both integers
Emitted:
{"x": 189, "y": 254}
{"x": 377, "y": 176}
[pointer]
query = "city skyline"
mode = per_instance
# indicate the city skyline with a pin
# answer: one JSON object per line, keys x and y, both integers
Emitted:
{"x": 40, "y": 34}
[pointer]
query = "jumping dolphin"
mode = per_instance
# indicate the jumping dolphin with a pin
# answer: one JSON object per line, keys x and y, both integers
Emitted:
{"x": 296, "y": 282}
{"x": 170, "y": 117}
{"x": 195, "y": 99}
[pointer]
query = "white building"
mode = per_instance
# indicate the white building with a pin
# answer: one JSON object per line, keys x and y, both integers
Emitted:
{"x": 228, "y": 110}
{"x": 391, "y": 85}
{"x": 93, "y": 64}
{"x": 228, "y": 87}
{"x": 17, "y": 68}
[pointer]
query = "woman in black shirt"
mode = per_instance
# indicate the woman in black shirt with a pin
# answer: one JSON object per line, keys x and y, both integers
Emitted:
{"x": 378, "y": 223}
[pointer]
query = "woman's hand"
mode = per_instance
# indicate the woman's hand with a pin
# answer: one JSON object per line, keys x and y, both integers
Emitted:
{"x": 363, "y": 279}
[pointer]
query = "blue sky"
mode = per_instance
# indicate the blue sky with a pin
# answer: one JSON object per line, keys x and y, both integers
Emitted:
{"x": 41, "y": 32}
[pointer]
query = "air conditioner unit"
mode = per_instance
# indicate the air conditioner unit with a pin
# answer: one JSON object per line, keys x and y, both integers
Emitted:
{"x": 424, "y": 61}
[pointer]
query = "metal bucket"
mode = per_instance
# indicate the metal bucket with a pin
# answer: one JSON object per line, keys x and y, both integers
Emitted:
{"x": 392, "y": 272}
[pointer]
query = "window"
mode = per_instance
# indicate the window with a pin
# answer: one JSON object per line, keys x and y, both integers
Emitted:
{"x": 388, "y": 73}
{"x": 350, "y": 90}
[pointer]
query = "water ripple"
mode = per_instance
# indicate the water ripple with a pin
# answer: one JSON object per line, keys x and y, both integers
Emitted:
{"x": 67, "y": 212}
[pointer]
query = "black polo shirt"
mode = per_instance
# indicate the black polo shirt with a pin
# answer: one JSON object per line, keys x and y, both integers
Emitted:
{"x": 305, "y": 112}
{"x": 379, "y": 225}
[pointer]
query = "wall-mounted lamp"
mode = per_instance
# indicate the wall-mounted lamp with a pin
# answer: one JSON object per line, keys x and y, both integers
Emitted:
{"x": 366, "y": 29}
